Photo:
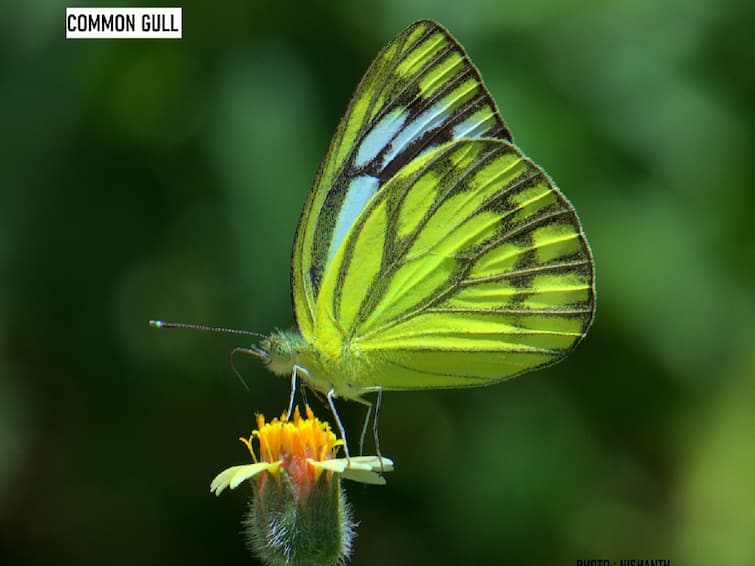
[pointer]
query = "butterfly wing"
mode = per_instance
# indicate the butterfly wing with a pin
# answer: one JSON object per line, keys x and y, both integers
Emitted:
{"x": 420, "y": 92}
{"x": 467, "y": 268}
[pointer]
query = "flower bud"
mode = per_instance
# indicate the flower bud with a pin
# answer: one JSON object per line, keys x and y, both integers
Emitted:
{"x": 298, "y": 513}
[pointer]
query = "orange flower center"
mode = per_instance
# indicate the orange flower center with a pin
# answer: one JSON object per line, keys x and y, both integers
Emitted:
{"x": 292, "y": 443}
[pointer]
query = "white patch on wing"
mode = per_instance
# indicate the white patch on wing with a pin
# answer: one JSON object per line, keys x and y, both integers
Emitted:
{"x": 361, "y": 190}
{"x": 473, "y": 126}
{"x": 428, "y": 120}
{"x": 379, "y": 136}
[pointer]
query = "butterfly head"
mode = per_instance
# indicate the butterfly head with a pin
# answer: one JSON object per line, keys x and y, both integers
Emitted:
{"x": 279, "y": 351}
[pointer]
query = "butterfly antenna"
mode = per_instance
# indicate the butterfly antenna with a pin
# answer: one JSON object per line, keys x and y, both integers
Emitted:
{"x": 163, "y": 324}
{"x": 254, "y": 351}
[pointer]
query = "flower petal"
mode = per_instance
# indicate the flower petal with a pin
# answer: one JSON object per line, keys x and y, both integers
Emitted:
{"x": 337, "y": 465}
{"x": 373, "y": 462}
{"x": 364, "y": 469}
{"x": 232, "y": 477}
{"x": 363, "y": 476}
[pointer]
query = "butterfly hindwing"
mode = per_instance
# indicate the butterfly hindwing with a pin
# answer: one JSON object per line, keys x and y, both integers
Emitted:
{"x": 469, "y": 267}
{"x": 420, "y": 92}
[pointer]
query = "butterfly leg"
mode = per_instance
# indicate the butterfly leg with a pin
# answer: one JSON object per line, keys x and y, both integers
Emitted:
{"x": 375, "y": 426}
{"x": 379, "y": 390}
{"x": 331, "y": 395}
{"x": 294, "y": 374}
{"x": 303, "y": 393}
{"x": 364, "y": 426}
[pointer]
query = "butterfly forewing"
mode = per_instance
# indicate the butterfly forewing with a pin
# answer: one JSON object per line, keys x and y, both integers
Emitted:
{"x": 469, "y": 267}
{"x": 419, "y": 93}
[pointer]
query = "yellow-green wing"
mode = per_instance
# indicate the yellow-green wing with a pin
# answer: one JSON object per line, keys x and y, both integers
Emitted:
{"x": 469, "y": 267}
{"x": 420, "y": 92}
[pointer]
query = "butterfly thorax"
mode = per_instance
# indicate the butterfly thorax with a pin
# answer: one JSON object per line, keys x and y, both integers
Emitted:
{"x": 284, "y": 349}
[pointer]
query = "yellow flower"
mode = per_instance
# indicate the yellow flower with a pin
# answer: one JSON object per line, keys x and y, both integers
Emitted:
{"x": 304, "y": 448}
{"x": 298, "y": 513}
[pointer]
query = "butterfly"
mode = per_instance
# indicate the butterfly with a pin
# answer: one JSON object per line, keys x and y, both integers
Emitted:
{"x": 430, "y": 252}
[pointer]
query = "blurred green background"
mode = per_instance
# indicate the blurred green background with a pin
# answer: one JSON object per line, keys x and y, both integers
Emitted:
{"x": 163, "y": 179}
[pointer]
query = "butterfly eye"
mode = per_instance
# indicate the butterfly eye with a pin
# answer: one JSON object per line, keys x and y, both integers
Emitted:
{"x": 283, "y": 350}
